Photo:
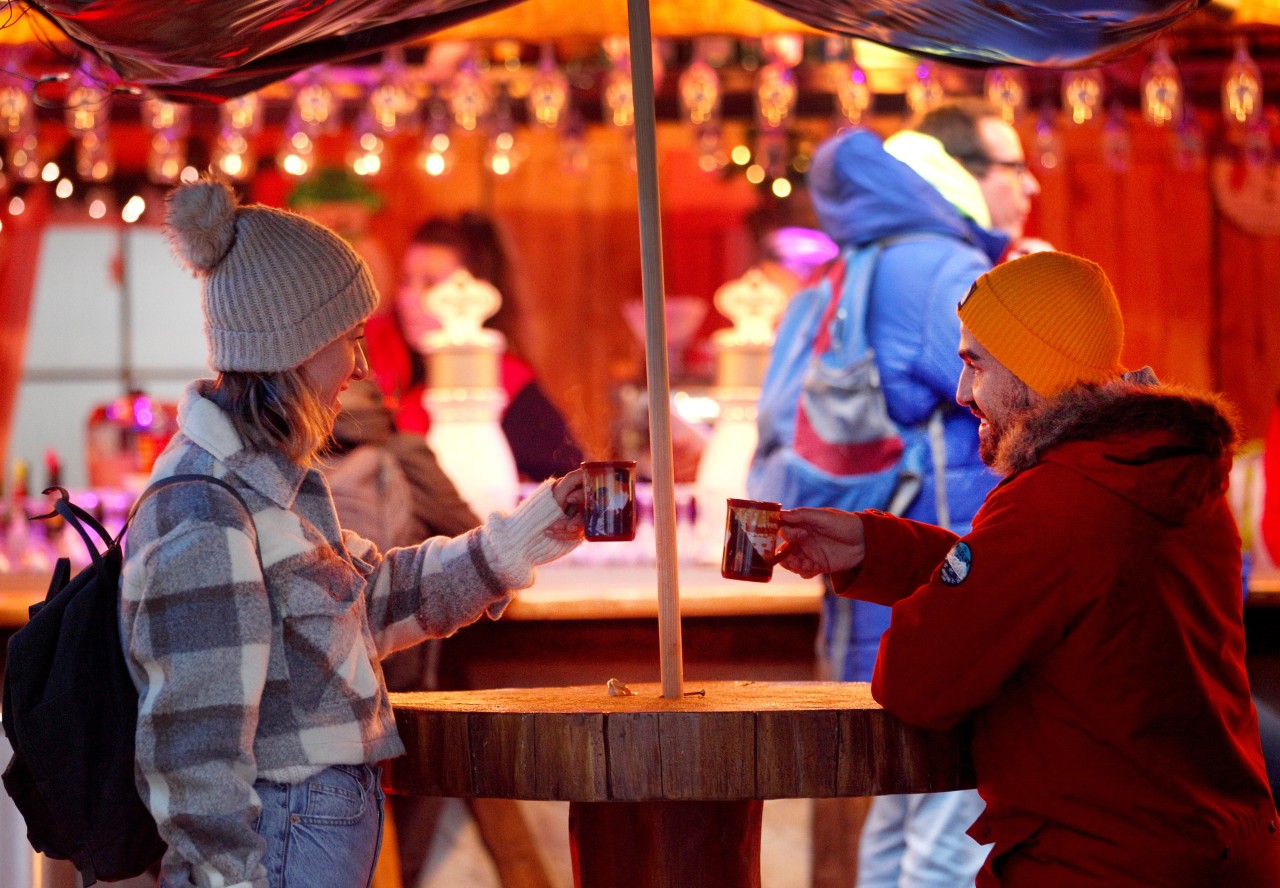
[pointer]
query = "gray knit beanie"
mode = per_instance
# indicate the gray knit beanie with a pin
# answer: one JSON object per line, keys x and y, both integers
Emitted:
{"x": 275, "y": 286}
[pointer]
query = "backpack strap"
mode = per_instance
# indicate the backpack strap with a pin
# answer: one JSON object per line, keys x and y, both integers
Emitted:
{"x": 77, "y": 518}
{"x": 183, "y": 478}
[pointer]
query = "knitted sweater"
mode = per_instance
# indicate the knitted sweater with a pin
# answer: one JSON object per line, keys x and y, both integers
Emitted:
{"x": 251, "y": 669}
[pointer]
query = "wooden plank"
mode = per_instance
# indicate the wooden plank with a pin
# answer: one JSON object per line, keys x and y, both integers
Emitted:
{"x": 635, "y": 772}
{"x": 794, "y": 758}
{"x": 707, "y": 755}
{"x": 741, "y": 740}
{"x": 434, "y": 737}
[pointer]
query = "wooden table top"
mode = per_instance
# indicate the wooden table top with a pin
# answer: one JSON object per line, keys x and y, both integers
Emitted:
{"x": 722, "y": 741}
{"x": 571, "y": 592}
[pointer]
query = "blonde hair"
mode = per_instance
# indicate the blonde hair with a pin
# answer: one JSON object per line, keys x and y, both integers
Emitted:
{"x": 277, "y": 411}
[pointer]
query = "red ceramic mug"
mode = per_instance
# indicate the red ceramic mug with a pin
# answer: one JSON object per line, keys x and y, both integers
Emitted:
{"x": 751, "y": 540}
{"x": 609, "y": 501}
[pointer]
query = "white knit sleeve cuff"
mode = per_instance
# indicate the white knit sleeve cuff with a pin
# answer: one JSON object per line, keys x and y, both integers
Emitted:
{"x": 517, "y": 543}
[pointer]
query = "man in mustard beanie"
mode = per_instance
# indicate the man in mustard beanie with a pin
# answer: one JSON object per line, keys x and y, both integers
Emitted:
{"x": 1089, "y": 627}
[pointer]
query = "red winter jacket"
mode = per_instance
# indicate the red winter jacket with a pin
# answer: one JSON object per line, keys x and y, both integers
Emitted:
{"x": 1091, "y": 626}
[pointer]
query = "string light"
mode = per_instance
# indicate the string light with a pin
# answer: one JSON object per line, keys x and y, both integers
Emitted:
{"x": 619, "y": 106}
{"x": 1006, "y": 88}
{"x": 469, "y": 98}
{"x": 168, "y": 124}
{"x": 1082, "y": 94}
{"x": 548, "y": 90}
{"x": 365, "y": 156}
{"x": 1161, "y": 88}
{"x": 699, "y": 90}
{"x": 1242, "y": 88}
{"x": 436, "y": 156}
{"x": 925, "y": 92}
{"x": 391, "y": 101}
{"x": 853, "y": 93}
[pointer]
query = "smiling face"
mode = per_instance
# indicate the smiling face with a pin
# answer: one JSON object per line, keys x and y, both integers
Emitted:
{"x": 992, "y": 393}
{"x": 338, "y": 363}
{"x": 1007, "y": 185}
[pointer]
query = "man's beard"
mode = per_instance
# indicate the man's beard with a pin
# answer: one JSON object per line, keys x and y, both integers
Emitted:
{"x": 989, "y": 446}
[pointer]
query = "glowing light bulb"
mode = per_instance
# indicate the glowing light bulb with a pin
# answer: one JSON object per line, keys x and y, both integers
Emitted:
{"x": 1242, "y": 88}
{"x": 776, "y": 94}
{"x": 699, "y": 89}
{"x": 1082, "y": 93}
{"x": 853, "y": 93}
{"x": 548, "y": 90}
{"x": 1161, "y": 89}
{"x": 1006, "y": 89}
{"x": 925, "y": 91}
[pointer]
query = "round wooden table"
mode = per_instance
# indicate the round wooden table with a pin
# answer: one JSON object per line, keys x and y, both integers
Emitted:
{"x": 668, "y": 792}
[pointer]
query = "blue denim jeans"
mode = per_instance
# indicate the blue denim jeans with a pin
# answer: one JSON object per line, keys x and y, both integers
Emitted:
{"x": 324, "y": 832}
{"x": 919, "y": 841}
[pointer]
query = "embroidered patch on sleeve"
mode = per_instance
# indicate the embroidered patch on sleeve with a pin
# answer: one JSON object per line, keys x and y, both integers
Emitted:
{"x": 955, "y": 568}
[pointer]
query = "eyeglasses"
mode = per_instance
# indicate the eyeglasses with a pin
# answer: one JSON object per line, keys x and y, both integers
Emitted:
{"x": 1019, "y": 167}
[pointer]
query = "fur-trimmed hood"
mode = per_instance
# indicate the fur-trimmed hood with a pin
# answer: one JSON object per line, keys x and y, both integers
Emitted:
{"x": 1166, "y": 449}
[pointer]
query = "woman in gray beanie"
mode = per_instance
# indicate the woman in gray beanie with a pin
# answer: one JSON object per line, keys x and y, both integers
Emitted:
{"x": 255, "y": 640}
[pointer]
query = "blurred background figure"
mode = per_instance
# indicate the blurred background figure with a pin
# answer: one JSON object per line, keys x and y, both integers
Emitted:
{"x": 536, "y": 431}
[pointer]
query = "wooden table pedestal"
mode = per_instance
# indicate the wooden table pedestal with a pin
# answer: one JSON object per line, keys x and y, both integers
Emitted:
{"x": 667, "y": 793}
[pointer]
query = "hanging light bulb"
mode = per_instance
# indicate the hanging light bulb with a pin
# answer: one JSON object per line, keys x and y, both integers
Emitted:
{"x": 1006, "y": 88}
{"x": 241, "y": 114}
{"x": 88, "y": 103}
{"x": 95, "y": 161}
{"x": 159, "y": 115}
{"x": 1242, "y": 88}
{"x": 502, "y": 155}
{"x": 19, "y": 129}
{"x": 233, "y": 149}
{"x": 469, "y": 97}
{"x": 776, "y": 94}
{"x": 166, "y": 159}
{"x": 548, "y": 90}
{"x": 699, "y": 90}
{"x": 391, "y": 101}
{"x": 925, "y": 91}
{"x": 853, "y": 93}
{"x": 436, "y": 156}
{"x": 168, "y": 123}
{"x": 1082, "y": 93}
{"x": 1115, "y": 138}
{"x": 232, "y": 154}
{"x": 365, "y": 156}
{"x": 619, "y": 106}
{"x": 315, "y": 104}
{"x": 15, "y": 106}
{"x": 297, "y": 149}
{"x": 1161, "y": 88}
{"x": 1048, "y": 140}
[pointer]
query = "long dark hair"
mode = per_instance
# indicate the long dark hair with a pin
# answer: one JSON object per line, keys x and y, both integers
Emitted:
{"x": 481, "y": 249}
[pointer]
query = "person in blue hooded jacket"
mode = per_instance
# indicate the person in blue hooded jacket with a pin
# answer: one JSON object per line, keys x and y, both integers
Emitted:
{"x": 945, "y": 199}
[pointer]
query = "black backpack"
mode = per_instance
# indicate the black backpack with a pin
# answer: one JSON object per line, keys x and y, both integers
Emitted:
{"x": 71, "y": 713}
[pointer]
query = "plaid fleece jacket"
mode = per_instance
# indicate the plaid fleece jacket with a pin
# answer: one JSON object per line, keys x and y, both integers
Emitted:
{"x": 270, "y": 669}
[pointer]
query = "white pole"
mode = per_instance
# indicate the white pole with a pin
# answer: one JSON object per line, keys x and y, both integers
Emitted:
{"x": 655, "y": 338}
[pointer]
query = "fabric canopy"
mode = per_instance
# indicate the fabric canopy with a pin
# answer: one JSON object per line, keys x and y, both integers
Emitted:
{"x": 217, "y": 49}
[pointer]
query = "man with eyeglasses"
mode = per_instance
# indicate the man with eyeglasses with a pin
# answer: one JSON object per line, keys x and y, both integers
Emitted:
{"x": 945, "y": 198}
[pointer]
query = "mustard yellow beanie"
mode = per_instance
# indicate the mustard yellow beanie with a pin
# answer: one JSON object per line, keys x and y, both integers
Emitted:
{"x": 1051, "y": 318}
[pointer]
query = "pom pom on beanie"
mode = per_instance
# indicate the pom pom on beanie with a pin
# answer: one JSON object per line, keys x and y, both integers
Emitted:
{"x": 276, "y": 287}
{"x": 1052, "y": 319}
